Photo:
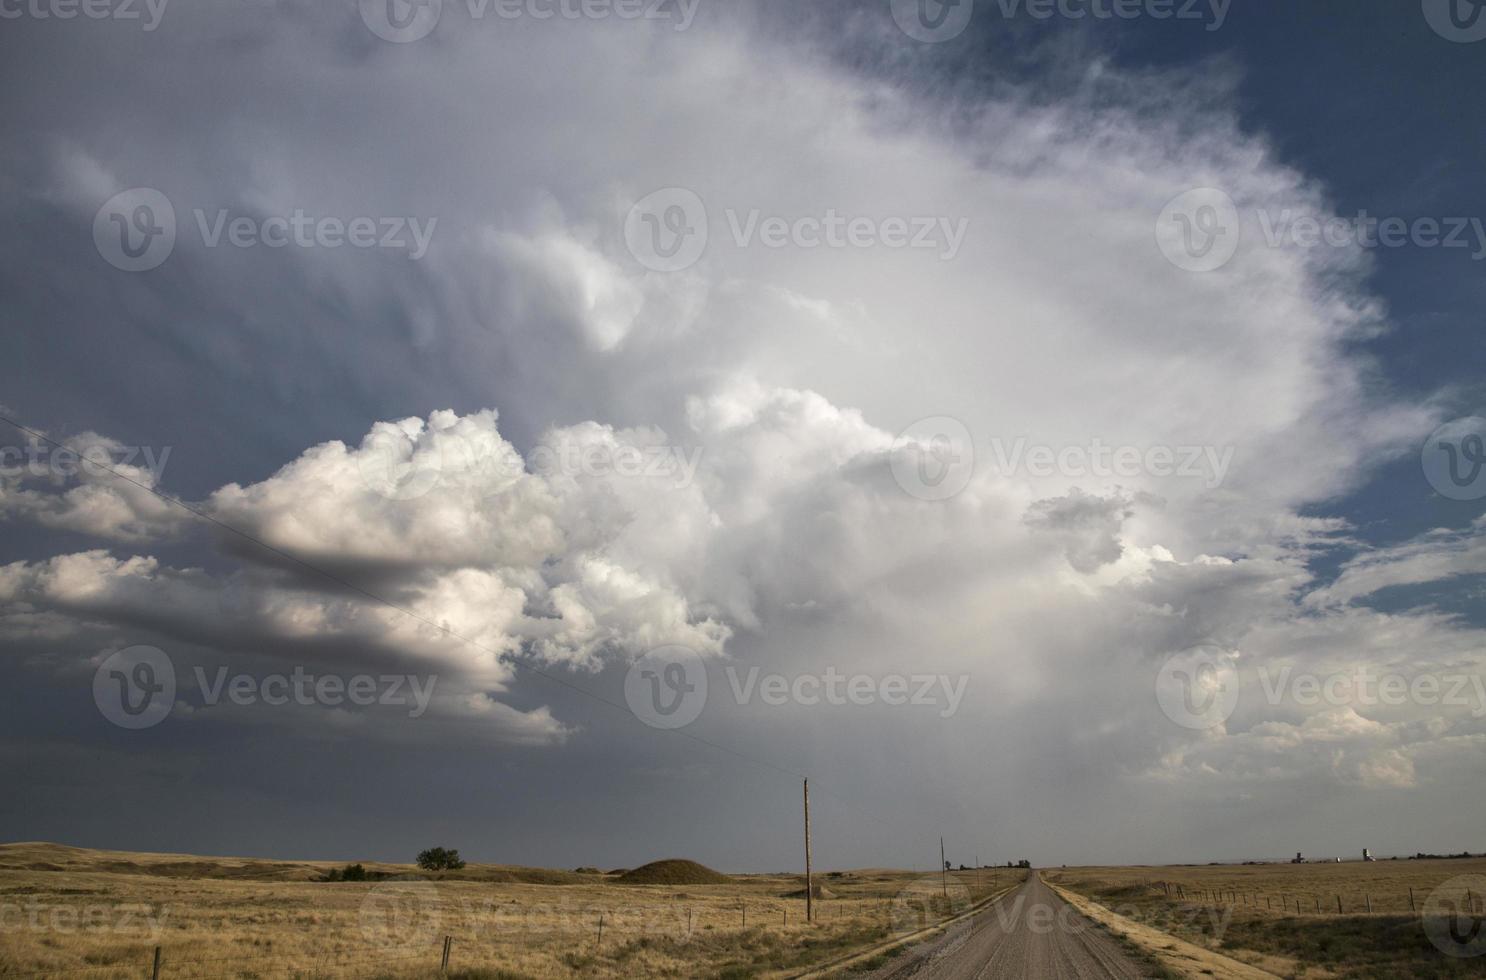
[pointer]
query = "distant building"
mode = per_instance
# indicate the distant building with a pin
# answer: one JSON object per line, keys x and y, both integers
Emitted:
{"x": 1367, "y": 855}
{"x": 1298, "y": 858}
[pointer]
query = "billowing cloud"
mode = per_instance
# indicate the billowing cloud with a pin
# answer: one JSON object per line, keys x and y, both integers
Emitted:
{"x": 108, "y": 488}
{"x": 537, "y": 447}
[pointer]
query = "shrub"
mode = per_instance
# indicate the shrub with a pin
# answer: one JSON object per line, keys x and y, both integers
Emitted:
{"x": 440, "y": 859}
{"x": 351, "y": 872}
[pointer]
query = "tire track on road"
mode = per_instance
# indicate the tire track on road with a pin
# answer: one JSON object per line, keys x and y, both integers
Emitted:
{"x": 1031, "y": 933}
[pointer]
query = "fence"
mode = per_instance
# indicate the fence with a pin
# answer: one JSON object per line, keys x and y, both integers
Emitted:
{"x": 1303, "y": 901}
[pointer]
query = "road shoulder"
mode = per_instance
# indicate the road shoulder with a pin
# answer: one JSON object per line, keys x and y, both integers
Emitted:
{"x": 1175, "y": 954}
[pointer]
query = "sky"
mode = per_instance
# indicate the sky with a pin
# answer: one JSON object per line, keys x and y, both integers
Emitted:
{"x": 555, "y": 430}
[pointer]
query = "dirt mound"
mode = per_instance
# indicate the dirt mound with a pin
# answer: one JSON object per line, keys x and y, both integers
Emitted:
{"x": 673, "y": 872}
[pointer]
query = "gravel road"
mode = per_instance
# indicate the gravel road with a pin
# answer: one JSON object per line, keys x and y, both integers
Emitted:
{"x": 1030, "y": 933}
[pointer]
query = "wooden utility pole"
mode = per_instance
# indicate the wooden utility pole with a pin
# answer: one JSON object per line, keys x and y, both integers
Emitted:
{"x": 943, "y": 868}
{"x": 809, "y": 878}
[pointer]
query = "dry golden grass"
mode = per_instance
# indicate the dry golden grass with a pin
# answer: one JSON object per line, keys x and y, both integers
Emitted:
{"x": 1385, "y": 883}
{"x": 99, "y": 916}
{"x": 1267, "y": 915}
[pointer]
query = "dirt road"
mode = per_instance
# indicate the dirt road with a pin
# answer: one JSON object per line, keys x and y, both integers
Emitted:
{"x": 1031, "y": 933}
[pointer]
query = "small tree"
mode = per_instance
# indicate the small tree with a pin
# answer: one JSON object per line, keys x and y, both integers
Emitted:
{"x": 440, "y": 859}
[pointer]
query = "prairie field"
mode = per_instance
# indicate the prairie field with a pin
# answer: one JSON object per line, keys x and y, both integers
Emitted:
{"x": 98, "y": 915}
{"x": 1315, "y": 920}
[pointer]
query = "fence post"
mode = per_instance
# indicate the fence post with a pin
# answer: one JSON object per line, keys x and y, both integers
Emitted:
{"x": 444, "y": 962}
{"x": 1411, "y": 899}
{"x": 1318, "y": 904}
{"x": 1338, "y": 905}
{"x": 155, "y": 974}
{"x": 601, "y": 929}
{"x": 1369, "y": 903}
